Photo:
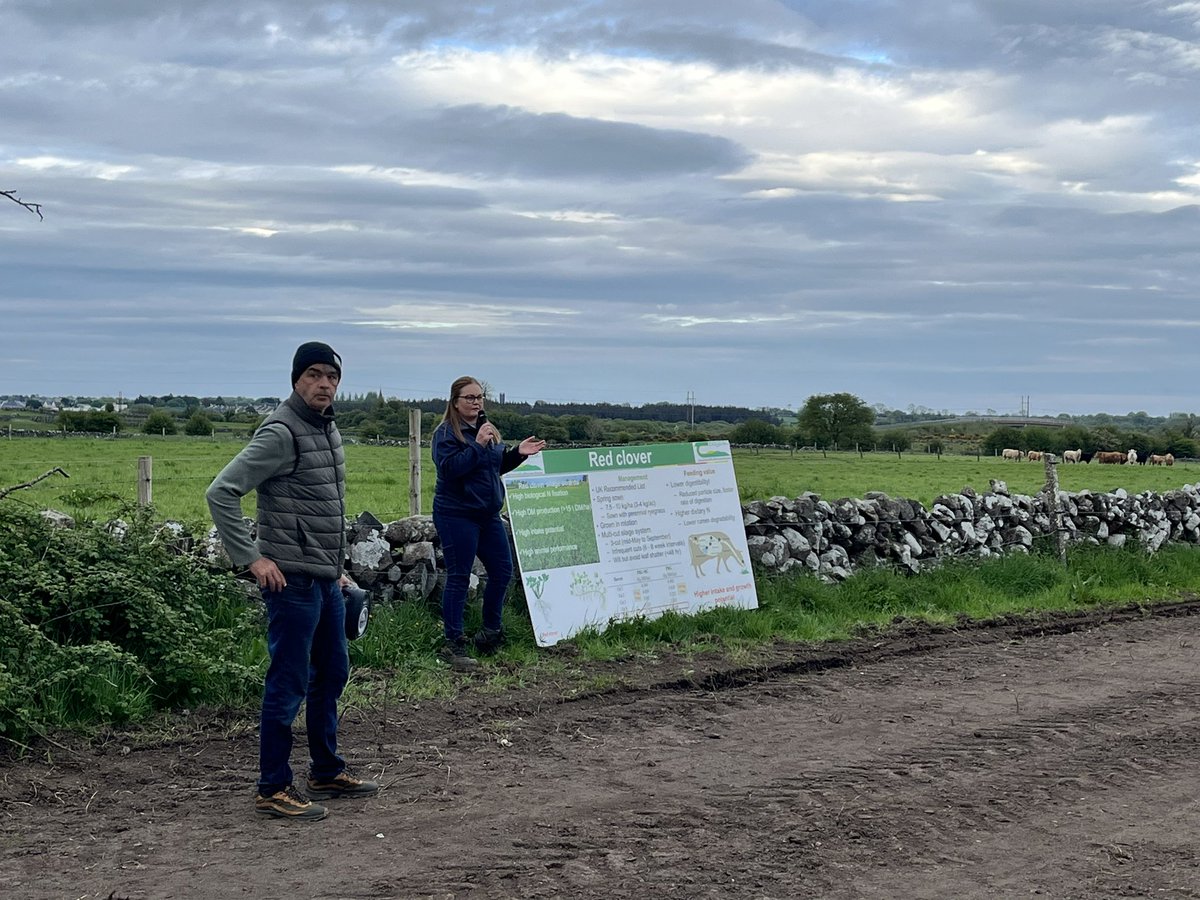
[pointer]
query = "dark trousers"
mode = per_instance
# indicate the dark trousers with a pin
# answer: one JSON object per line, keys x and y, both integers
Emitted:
{"x": 306, "y": 637}
{"x": 464, "y": 538}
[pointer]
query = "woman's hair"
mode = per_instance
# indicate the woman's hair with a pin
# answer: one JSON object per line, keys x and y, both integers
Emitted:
{"x": 452, "y": 417}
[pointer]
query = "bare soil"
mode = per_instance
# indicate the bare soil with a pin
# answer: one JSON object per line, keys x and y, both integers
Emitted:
{"x": 1057, "y": 757}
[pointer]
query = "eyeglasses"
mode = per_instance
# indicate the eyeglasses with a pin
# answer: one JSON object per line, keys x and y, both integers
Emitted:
{"x": 471, "y": 398}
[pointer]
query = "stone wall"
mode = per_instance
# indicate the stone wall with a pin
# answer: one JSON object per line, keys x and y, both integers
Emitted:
{"x": 831, "y": 539}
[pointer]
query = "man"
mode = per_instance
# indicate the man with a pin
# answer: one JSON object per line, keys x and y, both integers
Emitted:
{"x": 296, "y": 464}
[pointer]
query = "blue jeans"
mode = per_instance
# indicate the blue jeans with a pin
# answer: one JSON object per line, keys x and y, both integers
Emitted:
{"x": 306, "y": 637}
{"x": 463, "y": 538}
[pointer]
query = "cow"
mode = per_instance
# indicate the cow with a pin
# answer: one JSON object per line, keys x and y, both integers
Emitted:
{"x": 1157, "y": 460}
{"x": 1008, "y": 453}
{"x": 1110, "y": 457}
{"x": 1170, "y": 459}
{"x": 713, "y": 545}
{"x": 1072, "y": 456}
{"x": 1034, "y": 456}
{"x": 1131, "y": 457}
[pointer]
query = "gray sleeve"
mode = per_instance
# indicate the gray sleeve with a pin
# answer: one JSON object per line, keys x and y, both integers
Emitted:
{"x": 271, "y": 452}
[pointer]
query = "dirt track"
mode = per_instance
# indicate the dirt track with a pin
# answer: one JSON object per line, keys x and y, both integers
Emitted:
{"x": 1055, "y": 759}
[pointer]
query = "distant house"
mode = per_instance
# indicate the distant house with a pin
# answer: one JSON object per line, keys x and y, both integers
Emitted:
{"x": 12, "y": 404}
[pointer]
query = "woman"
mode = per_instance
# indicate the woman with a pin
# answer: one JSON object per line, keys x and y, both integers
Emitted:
{"x": 470, "y": 458}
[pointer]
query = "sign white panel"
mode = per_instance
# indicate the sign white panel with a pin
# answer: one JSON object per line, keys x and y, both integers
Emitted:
{"x": 616, "y": 533}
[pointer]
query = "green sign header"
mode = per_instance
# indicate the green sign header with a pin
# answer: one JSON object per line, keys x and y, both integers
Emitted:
{"x": 646, "y": 456}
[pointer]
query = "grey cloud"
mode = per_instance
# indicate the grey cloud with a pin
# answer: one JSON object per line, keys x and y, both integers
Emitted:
{"x": 479, "y": 139}
{"x": 286, "y": 181}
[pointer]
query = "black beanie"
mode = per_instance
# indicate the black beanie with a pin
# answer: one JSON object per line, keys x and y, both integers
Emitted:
{"x": 312, "y": 353}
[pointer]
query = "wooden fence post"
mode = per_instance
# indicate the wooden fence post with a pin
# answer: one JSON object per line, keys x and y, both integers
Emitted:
{"x": 414, "y": 462}
{"x": 145, "y": 483}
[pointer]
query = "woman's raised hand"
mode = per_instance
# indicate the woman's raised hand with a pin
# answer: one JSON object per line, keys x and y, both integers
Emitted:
{"x": 532, "y": 445}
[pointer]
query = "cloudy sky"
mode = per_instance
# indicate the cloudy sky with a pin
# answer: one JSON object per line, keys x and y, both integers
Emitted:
{"x": 954, "y": 204}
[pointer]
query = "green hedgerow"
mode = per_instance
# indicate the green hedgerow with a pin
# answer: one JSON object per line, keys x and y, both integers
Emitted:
{"x": 109, "y": 625}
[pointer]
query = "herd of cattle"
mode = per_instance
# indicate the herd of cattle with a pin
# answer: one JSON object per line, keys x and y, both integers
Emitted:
{"x": 1108, "y": 457}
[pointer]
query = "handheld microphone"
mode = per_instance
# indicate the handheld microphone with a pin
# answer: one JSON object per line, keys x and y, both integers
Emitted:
{"x": 481, "y": 421}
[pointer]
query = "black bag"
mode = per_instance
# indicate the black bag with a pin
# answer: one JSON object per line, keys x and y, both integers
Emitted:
{"x": 358, "y": 611}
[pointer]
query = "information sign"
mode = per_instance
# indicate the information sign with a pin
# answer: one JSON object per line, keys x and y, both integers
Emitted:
{"x": 613, "y": 533}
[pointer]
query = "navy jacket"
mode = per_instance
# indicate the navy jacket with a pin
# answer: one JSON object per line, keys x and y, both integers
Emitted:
{"x": 468, "y": 475}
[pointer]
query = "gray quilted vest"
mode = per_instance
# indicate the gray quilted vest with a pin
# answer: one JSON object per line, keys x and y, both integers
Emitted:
{"x": 301, "y": 515}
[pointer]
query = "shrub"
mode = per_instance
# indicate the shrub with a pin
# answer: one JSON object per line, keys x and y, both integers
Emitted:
{"x": 199, "y": 424}
{"x": 159, "y": 422}
{"x": 109, "y": 627}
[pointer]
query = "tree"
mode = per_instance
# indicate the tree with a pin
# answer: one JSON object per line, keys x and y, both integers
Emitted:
{"x": 1183, "y": 423}
{"x": 1180, "y": 446}
{"x": 756, "y": 431}
{"x": 198, "y": 424}
{"x": 578, "y": 427}
{"x": 159, "y": 422}
{"x": 832, "y": 420}
{"x": 92, "y": 420}
{"x": 1076, "y": 437}
{"x": 1002, "y": 438}
{"x": 1107, "y": 437}
{"x": 1036, "y": 438}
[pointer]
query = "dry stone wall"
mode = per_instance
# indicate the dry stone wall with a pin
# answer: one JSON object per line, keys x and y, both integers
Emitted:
{"x": 829, "y": 539}
{"x": 832, "y": 539}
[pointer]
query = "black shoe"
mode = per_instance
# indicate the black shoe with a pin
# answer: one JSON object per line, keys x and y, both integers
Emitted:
{"x": 454, "y": 654}
{"x": 342, "y": 785}
{"x": 288, "y": 804}
{"x": 488, "y": 640}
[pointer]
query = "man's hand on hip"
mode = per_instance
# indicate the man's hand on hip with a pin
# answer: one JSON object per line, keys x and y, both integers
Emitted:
{"x": 267, "y": 574}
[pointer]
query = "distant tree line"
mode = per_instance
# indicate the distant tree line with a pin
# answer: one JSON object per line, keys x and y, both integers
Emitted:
{"x": 838, "y": 421}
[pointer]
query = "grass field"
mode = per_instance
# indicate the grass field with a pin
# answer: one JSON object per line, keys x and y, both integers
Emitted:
{"x": 399, "y": 648}
{"x": 922, "y": 476}
{"x": 104, "y": 475}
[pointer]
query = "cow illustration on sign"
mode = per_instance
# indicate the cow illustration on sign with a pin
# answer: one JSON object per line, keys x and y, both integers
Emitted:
{"x": 713, "y": 545}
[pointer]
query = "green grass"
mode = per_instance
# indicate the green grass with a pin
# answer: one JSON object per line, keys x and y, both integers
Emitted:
{"x": 396, "y": 661}
{"x": 104, "y": 475}
{"x": 792, "y": 608}
{"x": 922, "y": 476}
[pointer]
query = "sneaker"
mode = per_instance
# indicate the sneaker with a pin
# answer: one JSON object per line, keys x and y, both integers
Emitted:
{"x": 489, "y": 640}
{"x": 342, "y": 785}
{"x": 454, "y": 654}
{"x": 288, "y": 804}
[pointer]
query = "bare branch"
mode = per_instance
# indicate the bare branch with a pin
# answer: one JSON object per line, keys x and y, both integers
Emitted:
{"x": 4, "y": 492}
{"x": 32, "y": 207}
